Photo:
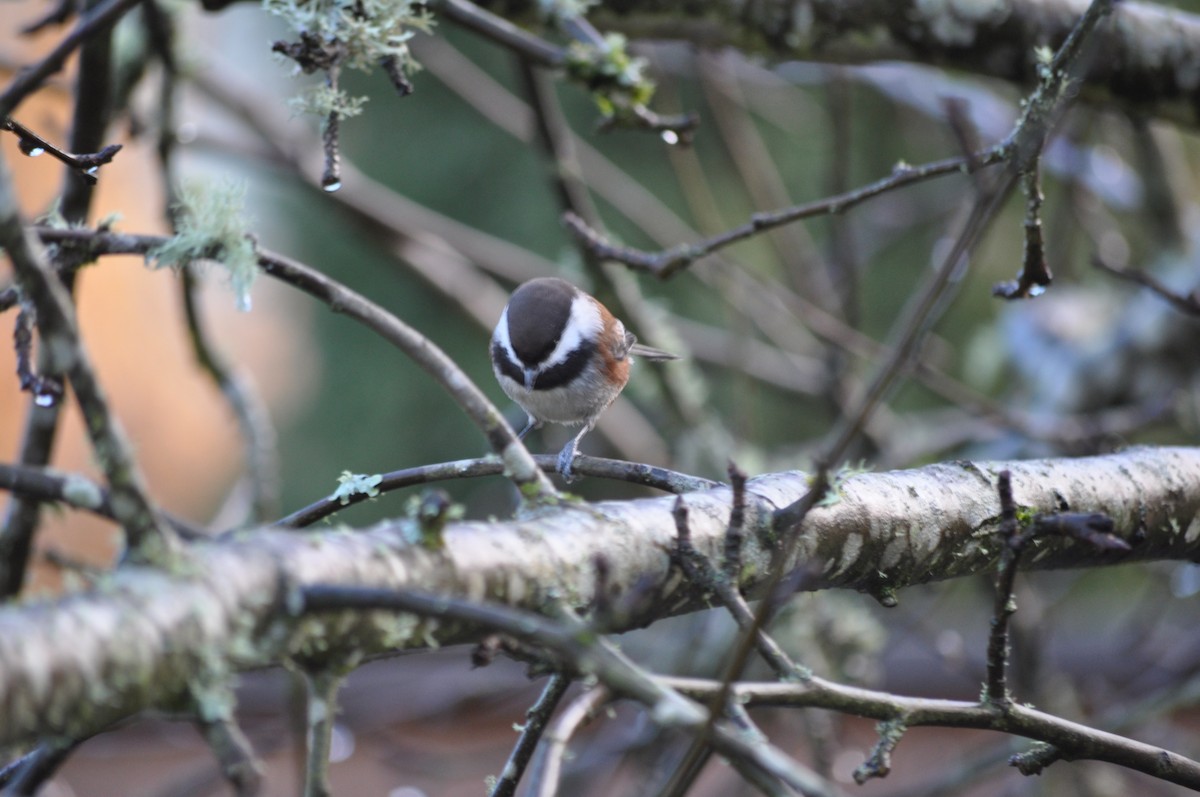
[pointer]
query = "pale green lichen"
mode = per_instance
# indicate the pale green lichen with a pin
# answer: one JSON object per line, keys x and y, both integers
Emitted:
{"x": 394, "y": 631}
{"x": 431, "y": 510}
{"x": 324, "y": 100}
{"x": 362, "y": 34}
{"x": 616, "y": 79}
{"x": 213, "y": 700}
{"x": 558, "y": 11}
{"x": 352, "y": 484}
{"x": 833, "y": 495}
{"x": 365, "y": 31}
{"x": 211, "y": 224}
{"x": 53, "y": 217}
{"x": 80, "y": 492}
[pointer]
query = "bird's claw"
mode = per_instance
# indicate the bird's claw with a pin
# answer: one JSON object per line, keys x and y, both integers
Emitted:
{"x": 565, "y": 459}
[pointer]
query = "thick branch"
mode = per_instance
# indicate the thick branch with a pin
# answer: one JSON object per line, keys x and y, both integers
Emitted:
{"x": 73, "y": 666}
{"x": 1150, "y": 51}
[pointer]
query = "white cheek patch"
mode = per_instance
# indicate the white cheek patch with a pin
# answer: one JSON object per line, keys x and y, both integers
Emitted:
{"x": 500, "y": 336}
{"x": 584, "y": 324}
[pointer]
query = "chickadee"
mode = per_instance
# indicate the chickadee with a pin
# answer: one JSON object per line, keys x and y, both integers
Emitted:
{"x": 563, "y": 357}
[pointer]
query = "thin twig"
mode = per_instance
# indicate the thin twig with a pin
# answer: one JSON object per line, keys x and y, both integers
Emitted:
{"x": 789, "y": 520}
{"x": 758, "y": 761}
{"x": 519, "y": 464}
{"x": 1003, "y": 606}
{"x": 916, "y": 321}
{"x": 46, "y": 390}
{"x": 25, "y": 776}
{"x": 242, "y": 770}
{"x": 31, "y": 78}
{"x": 146, "y": 534}
{"x": 1056, "y": 87}
{"x": 89, "y": 130}
{"x": 89, "y": 125}
{"x": 798, "y": 256}
{"x": 33, "y": 145}
{"x": 1094, "y": 528}
{"x": 597, "y": 467}
{"x": 546, "y": 773}
{"x": 1076, "y": 741}
{"x": 44, "y": 485}
{"x": 322, "y": 688}
{"x": 702, "y": 573}
{"x": 1184, "y": 303}
{"x": 756, "y": 301}
{"x": 749, "y": 637}
{"x": 666, "y": 263}
{"x": 95, "y": 86}
{"x": 1020, "y": 148}
{"x": 392, "y": 67}
{"x": 1035, "y": 275}
{"x": 734, "y": 537}
{"x": 536, "y": 719}
{"x": 254, "y": 420}
{"x": 502, "y": 32}
{"x": 554, "y": 139}
{"x": 62, "y": 11}
{"x": 879, "y": 762}
{"x": 331, "y": 178}
{"x": 261, "y": 459}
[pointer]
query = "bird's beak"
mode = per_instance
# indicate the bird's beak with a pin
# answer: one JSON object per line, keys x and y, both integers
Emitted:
{"x": 530, "y": 375}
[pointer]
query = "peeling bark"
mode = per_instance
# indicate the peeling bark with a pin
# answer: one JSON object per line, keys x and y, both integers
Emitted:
{"x": 73, "y": 665}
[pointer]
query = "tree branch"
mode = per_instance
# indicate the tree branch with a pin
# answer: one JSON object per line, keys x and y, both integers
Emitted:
{"x": 598, "y": 467}
{"x": 146, "y": 535}
{"x": 1081, "y": 741}
{"x": 75, "y": 665}
{"x": 519, "y": 464}
{"x": 46, "y": 485}
{"x": 1150, "y": 50}
{"x": 30, "y": 79}
{"x": 536, "y": 719}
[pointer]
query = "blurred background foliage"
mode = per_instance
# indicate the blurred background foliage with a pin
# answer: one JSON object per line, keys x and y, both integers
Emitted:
{"x": 1088, "y": 643}
{"x": 815, "y": 130}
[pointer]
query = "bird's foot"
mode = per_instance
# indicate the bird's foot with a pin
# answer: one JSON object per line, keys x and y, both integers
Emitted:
{"x": 529, "y": 427}
{"x": 565, "y": 459}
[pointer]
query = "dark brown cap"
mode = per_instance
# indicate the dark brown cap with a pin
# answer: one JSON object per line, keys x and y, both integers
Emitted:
{"x": 537, "y": 315}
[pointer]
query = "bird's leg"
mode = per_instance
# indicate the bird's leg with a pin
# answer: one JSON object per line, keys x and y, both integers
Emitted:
{"x": 567, "y": 455}
{"x": 534, "y": 423}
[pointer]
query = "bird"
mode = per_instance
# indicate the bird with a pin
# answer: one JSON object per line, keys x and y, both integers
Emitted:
{"x": 562, "y": 356}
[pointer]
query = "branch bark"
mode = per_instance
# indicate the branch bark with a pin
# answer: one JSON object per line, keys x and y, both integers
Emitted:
{"x": 1150, "y": 51}
{"x": 73, "y": 666}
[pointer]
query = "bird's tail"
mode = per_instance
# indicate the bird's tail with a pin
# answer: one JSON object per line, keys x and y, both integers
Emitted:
{"x": 650, "y": 353}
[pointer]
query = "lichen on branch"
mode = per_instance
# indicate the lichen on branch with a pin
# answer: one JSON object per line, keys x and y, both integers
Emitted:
{"x": 360, "y": 35}
{"x": 211, "y": 224}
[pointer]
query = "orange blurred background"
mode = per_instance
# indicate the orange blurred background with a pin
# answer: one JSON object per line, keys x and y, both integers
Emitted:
{"x": 133, "y": 326}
